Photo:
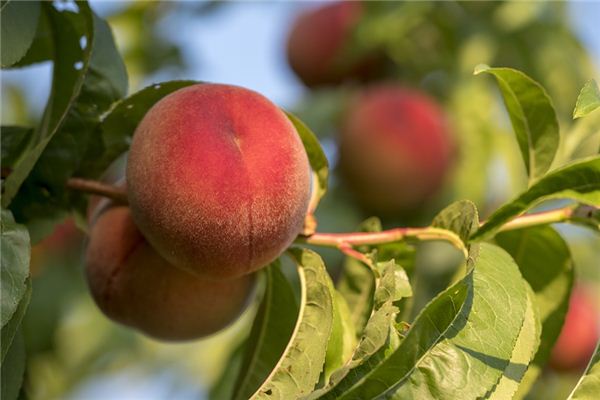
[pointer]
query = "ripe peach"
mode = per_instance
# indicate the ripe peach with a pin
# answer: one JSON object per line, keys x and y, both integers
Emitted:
{"x": 580, "y": 332}
{"x": 316, "y": 44}
{"x": 395, "y": 148}
{"x": 133, "y": 285}
{"x": 219, "y": 181}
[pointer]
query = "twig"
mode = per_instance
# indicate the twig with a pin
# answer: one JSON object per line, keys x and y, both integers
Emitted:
{"x": 115, "y": 193}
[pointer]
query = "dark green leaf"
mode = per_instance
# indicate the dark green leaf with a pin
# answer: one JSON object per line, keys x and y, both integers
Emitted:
{"x": 14, "y": 140}
{"x": 298, "y": 370}
{"x": 270, "y": 333}
{"x": 224, "y": 387}
{"x": 15, "y": 265}
{"x": 71, "y": 63}
{"x": 588, "y": 386}
{"x": 19, "y": 20}
{"x": 42, "y": 47}
{"x": 545, "y": 262}
{"x": 315, "y": 153}
{"x": 460, "y": 217}
{"x": 13, "y": 369}
{"x": 76, "y": 141}
{"x": 579, "y": 181}
{"x": 588, "y": 100}
{"x": 532, "y": 115}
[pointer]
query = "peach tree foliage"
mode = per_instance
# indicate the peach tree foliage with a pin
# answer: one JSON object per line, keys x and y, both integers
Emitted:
{"x": 488, "y": 334}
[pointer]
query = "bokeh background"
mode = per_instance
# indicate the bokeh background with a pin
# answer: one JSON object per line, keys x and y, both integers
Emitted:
{"x": 76, "y": 353}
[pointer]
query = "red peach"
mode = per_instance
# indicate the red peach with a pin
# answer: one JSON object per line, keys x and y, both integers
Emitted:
{"x": 316, "y": 44}
{"x": 219, "y": 180}
{"x": 580, "y": 333}
{"x": 133, "y": 285}
{"x": 395, "y": 148}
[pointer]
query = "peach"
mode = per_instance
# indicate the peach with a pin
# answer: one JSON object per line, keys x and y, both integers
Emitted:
{"x": 133, "y": 285}
{"x": 395, "y": 148}
{"x": 219, "y": 181}
{"x": 317, "y": 41}
{"x": 580, "y": 332}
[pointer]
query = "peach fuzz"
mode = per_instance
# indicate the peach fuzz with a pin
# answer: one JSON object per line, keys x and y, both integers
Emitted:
{"x": 133, "y": 285}
{"x": 219, "y": 181}
{"x": 395, "y": 150}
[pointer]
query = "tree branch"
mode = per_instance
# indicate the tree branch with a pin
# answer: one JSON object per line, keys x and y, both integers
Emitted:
{"x": 347, "y": 241}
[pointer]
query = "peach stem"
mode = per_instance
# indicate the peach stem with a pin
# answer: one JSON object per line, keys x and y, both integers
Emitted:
{"x": 98, "y": 188}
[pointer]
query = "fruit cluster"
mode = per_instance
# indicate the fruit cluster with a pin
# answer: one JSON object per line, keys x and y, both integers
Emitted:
{"x": 218, "y": 184}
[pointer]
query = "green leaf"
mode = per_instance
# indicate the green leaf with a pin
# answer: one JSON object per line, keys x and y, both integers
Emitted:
{"x": 372, "y": 378}
{"x": 532, "y": 116}
{"x": 524, "y": 351}
{"x": 342, "y": 340}
{"x": 271, "y": 332}
{"x": 393, "y": 283}
{"x": 460, "y": 217}
{"x": 13, "y": 370}
{"x": 70, "y": 66}
{"x": 373, "y": 346}
{"x": 588, "y": 99}
{"x": 356, "y": 286}
{"x": 546, "y": 264}
{"x": 402, "y": 284}
{"x": 42, "y": 47}
{"x": 298, "y": 370}
{"x": 392, "y": 286}
{"x": 12, "y": 326}
{"x": 118, "y": 126}
{"x": 19, "y": 20}
{"x": 579, "y": 181}
{"x": 467, "y": 335}
{"x": 588, "y": 386}
{"x": 15, "y": 265}
{"x": 316, "y": 156}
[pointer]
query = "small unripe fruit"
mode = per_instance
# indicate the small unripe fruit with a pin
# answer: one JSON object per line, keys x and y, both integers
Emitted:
{"x": 395, "y": 149}
{"x": 133, "y": 285}
{"x": 580, "y": 332}
{"x": 317, "y": 41}
{"x": 219, "y": 180}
